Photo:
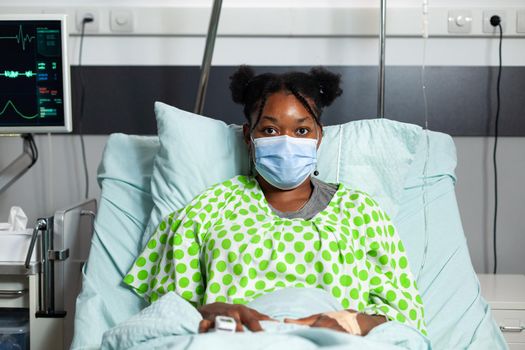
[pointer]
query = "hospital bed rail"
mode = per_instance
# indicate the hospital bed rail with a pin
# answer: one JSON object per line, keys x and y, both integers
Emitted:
{"x": 64, "y": 242}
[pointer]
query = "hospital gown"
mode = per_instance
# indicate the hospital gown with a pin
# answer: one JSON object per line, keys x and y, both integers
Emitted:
{"x": 227, "y": 245}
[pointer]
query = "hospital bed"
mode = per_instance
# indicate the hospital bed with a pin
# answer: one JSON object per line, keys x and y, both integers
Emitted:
{"x": 457, "y": 316}
{"x": 428, "y": 222}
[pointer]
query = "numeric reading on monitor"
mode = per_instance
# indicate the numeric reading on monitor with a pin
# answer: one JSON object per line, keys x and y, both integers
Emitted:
{"x": 31, "y": 82}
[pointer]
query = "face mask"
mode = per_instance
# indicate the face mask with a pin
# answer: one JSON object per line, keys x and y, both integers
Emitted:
{"x": 284, "y": 161}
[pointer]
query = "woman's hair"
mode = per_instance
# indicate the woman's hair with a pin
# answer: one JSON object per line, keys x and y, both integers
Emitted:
{"x": 320, "y": 86}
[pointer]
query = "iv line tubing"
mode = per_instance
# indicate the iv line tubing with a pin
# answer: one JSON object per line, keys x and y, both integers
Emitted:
{"x": 381, "y": 82}
{"x": 427, "y": 139}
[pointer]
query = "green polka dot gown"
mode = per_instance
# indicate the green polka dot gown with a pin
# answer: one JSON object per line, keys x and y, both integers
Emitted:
{"x": 227, "y": 245}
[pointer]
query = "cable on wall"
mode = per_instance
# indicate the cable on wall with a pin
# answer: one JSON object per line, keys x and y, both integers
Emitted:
{"x": 51, "y": 199}
{"x": 30, "y": 146}
{"x": 85, "y": 20}
{"x": 495, "y": 21}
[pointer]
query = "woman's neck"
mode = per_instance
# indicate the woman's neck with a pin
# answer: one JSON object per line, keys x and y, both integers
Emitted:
{"x": 286, "y": 200}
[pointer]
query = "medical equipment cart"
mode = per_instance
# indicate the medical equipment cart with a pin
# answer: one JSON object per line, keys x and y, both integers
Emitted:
{"x": 43, "y": 291}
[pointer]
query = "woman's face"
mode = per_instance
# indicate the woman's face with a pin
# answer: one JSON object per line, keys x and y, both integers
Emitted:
{"x": 283, "y": 114}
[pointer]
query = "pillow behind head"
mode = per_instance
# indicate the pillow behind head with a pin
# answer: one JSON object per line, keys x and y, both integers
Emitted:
{"x": 197, "y": 152}
{"x": 371, "y": 155}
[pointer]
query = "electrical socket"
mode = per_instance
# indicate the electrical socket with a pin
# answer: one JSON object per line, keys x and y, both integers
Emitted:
{"x": 90, "y": 27}
{"x": 487, "y": 27}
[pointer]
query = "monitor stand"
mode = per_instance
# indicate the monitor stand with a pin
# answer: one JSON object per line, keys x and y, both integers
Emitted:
{"x": 16, "y": 168}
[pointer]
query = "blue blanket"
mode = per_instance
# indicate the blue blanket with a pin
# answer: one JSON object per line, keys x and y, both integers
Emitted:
{"x": 172, "y": 323}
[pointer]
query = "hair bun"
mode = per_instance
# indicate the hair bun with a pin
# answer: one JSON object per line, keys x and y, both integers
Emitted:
{"x": 238, "y": 83}
{"x": 329, "y": 85}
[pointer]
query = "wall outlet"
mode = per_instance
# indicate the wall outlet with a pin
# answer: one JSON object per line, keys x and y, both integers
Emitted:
{"x": 91, "y": 27}
{"x": 487, "y": 27}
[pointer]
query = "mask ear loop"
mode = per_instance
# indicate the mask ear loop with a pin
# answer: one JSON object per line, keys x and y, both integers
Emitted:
{"x": 316, "y": 172}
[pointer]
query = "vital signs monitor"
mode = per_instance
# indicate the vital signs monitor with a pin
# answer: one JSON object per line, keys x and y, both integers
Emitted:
{"x": 34, "y": 74}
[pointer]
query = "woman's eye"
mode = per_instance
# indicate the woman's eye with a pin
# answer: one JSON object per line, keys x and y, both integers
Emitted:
{"x": 302, "y": 131}
{"x": 270, "y": 131}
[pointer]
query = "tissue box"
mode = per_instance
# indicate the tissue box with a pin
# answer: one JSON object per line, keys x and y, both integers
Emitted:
{"x": 14, "y": 246}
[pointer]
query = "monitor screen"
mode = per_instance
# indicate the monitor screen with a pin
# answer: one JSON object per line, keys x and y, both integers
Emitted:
{"x": 34, "y": 74}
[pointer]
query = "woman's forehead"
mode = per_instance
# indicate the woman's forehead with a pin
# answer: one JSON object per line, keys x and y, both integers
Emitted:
{"x": 285, "y": 107}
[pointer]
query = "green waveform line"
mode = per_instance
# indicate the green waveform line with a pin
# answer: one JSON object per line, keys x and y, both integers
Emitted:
{"x": 20, "y": 37}
{"x": 15, "y": 74}
{"x": 17, "y": 111}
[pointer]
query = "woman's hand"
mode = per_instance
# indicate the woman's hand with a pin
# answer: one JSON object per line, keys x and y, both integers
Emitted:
{"x": 317, "y": 320}
{"x": 242, "y": 315}
{"x": 366, "y": 322}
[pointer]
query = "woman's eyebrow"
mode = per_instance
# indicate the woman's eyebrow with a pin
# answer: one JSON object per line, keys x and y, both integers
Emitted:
{"x": 302, "y": 120}
{"x": 276, "y": 120}
{"x": 270, "y": 118}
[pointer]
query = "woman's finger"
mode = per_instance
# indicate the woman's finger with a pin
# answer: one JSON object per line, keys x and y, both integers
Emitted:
{"x": 253, "y": 325}
{"x": 264, "y": 317}
{"x": 239, "y": 327}
{"x": 304, "y": 321}
{"x": 238, "y": 323}
{"x": 327, "y": 322}
{"x": 205, "y": 325}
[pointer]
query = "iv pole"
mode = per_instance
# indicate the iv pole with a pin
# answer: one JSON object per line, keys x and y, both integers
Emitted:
{"x": 208, "y": 54}
{"x": 210, "y": 43}
{"x": 381, "y": 82}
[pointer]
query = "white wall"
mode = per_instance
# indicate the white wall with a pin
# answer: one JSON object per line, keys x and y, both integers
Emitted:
{"x": 475, "y": 193}
{"x": 57, "y": 179}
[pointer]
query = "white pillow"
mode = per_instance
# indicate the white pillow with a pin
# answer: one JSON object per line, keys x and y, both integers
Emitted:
{"x": 197, "y": 152}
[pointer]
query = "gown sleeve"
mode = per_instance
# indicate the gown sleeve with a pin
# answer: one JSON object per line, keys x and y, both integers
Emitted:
{"x": 171, "y": 259}
{"x": 393, "y": 290}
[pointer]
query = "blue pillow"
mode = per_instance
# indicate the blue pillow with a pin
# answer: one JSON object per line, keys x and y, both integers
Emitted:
{"x": 197, "y": 152}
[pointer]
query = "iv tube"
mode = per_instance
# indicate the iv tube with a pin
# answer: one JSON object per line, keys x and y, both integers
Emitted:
{"x": 427, "y": 137}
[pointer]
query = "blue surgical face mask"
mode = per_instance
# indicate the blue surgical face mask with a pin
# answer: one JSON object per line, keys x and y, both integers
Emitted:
{"x": 284, "y": 161}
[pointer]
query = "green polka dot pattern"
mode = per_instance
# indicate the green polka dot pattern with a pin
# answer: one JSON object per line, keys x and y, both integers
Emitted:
{"x": 228, "y": 245}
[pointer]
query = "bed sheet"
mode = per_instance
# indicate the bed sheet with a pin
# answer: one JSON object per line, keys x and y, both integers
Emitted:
{"x": 457, "y": 316}
{"x": 172, "y": 323}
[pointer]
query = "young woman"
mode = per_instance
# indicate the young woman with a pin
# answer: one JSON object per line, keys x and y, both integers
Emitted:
{"x": 282, "y": 228}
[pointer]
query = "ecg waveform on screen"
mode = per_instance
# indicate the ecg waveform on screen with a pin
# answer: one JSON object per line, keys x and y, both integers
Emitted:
{"x": 10, "y": 103}
{"x": 20, "y": 38}
{"x": 15, "y": 74}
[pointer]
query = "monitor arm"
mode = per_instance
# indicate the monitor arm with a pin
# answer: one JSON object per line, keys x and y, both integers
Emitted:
{"x": 20, "y": 165}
